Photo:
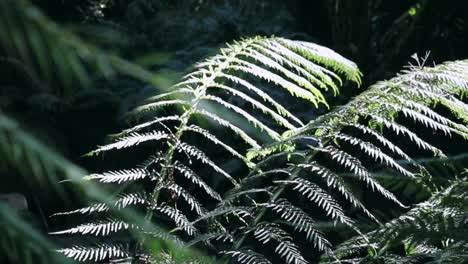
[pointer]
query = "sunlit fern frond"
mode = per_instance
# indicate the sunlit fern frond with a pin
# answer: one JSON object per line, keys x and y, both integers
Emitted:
{"x": 341, "y": 148}
{"x": 432, "y": 232}
{"x": 230, "y": 92}
{"x": 97, "y": 253}
{"x": 247, "y": 257}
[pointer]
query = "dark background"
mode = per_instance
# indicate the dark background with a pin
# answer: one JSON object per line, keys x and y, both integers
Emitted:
{"x": 380, "y": 36}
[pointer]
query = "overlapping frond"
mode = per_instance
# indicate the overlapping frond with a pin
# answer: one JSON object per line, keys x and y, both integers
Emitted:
{"x": 100, "y": 228}
{"x": 435, "y": 230}
{"x": 341, "y": 147}
{"x": 232, "y": 91}
{"x": 97, "y": 253}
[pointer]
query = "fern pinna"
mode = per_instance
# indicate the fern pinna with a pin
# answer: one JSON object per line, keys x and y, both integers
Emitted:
{"x": 183, "y": 120}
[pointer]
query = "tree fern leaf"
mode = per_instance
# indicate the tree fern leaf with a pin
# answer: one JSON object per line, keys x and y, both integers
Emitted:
{"x": 297, "y": 219}
{"x": 279, "y": 108}
{"x": 190, "y": 175}
{"x": 299, "y": 80}
{"x": 286, "y": 249}
{"x": 274, "y": 135}
{"x": 201, "y": 156}
{"x": 416, "y": 116}
{"x": 384, "y": 141}
{"x": 335, "y": 181}
{"x": 269, "y": 50}
{"x": 179, "y": 218}
{"x": 98, "y": 253}
{"x": 247, "y": 257}
{"x": 132, "y": 140}
{"x": 306, "y": 67}
{"x": 326, "y": 56}
{"x": 100, "y": 228}
{"x": 232, "y": 127}
{"x": 192, "y": 201}
{"x": 355, "y": 166}
{"x": 321, "y": 198}
{"x": 256, "y": 104}
{"x": 289, "y": 251}
{"x": 119, "y": 176}
{"x": 147, "y": 124}
{"x": 170, "y": 94}
{"x": 153, "y": 159}
{"x": 292, "y": 88}
{"x": 374, "y": 152}
{"x": 121, "y": 202}
{"x": 399, "y": 129}
{"x": 265, "y": 232}
{"x": 216, "y": 141}
{"x": 446, "y": 77}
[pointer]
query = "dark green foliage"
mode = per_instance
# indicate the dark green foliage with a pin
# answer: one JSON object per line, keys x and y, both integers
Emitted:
{"x": 247, "y": 159}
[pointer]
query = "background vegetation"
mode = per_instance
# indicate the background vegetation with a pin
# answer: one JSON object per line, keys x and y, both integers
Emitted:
{"x": 73, "y": 69}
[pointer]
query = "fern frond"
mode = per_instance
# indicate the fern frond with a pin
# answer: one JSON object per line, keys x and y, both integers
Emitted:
{"x": 190, "y": 175}
{"x": 247, "y": 257}
{"x": 98, "y": 253}
{"x": 232, "y": 127}
{"x": 256, "y": 105}
{"x": 354, "y": 165}
{"x": 321, "y": 198}
{"x": 179, "y": 218}
{"x": 192, "y": 201}
{"x": 201, "y": 156}
{"x": 374, "y": 110}
{"x": 279, "y": 108}
{"x": 243, "y": 71}
{"x": 328, "y": 57}
{"x": 250, "y": 118}
{"x": 121, "y": 202}
{"x": 216, "y": 141}
{"x": 132, "y": 140}
{"x": 335, "y": 181}
{"x": 148, "y": 108}
{"x": 285, "y": 248}
{"x": 301, "y": 222}
{"x": 400, "y": 129}
{"x": 425, "y": 228}
{"x": 158, "y": 120}
{"x": 119, "y": 176}
{"x": 100, "y": 228}
{"x": 384, "y": 141}
{"x": 374, "y": 152}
